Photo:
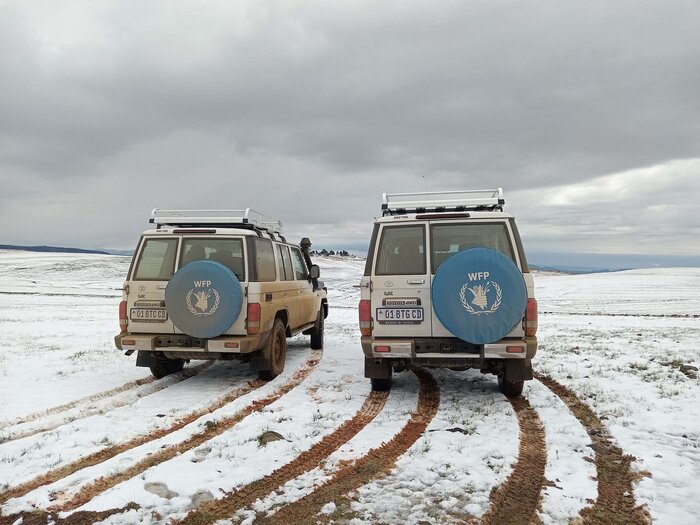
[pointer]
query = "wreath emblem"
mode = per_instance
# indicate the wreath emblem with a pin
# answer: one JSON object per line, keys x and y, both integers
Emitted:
{"x": 201, "y": 306}
{"x": 479, "y": 292}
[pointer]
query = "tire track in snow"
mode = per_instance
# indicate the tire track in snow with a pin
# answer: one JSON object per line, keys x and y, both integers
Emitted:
{"x": 13, "y": 435}
{"x": 89, "y": 491}
{"x": 516, "y": 500}
{"x": 102, "y": 455}
{"x": 369, "y": 466}
{"x": 308, "y": 460}
{"x": 615, "y": 502}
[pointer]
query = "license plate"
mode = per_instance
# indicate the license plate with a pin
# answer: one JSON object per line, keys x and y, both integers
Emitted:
{"x": 149, "y": 315}
{"x": 399, "y": 315}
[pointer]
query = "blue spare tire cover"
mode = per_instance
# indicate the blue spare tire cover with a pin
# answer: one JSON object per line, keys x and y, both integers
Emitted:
{"x": 479, "y": 295}
{"x": 203, "y": 299}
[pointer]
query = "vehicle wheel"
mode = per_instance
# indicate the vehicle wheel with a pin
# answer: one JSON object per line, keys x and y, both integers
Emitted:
{"x": 381, "y": 385}
{"x": 510, "y": 388}
{"x": 162, "y": 367}
{"x": 317, "y": 334}
{"x": 277, "y": 352}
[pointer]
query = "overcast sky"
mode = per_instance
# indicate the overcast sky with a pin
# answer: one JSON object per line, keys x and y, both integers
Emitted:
{"x": 586, "y": 113}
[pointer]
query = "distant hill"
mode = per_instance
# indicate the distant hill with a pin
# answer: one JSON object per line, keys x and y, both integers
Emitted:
{"x": 50, "y": 249}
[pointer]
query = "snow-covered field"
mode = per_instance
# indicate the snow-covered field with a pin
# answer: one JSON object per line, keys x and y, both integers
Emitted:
{"x": 82, "y": 430}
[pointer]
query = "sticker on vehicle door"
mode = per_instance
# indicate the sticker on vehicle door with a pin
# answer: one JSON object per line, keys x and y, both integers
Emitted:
{"x": 401, "y": 301}
{"x": 399, "y": 315}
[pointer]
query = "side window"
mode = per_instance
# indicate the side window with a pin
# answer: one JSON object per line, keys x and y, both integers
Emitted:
{"x": 264, "y": 260}
{"x": 286, "y": 262}
{"x": 156, "y": 261}
{"x": 449, "y": 239}
{"x": 300, "y": 273}
{"x": 401, "y": 251}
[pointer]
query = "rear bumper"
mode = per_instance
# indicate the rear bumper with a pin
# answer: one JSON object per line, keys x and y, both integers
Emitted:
{"x": 405, "y": 348}
{"x": 173, "y": 343}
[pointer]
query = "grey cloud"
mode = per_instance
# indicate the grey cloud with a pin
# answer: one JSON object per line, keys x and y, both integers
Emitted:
{"x": 118, "y": 108}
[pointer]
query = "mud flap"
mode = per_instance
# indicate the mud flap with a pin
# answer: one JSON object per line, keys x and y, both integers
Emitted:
{"x": 517, "y": 370}
{"x": 144, "y": 358}
{"x": 260, "y": 359}
{"x": 377, "y": 371}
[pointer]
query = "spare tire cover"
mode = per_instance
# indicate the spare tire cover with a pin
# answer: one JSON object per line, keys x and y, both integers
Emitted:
{"x": 479, "y": 295}
{"x": 203, "y": 299}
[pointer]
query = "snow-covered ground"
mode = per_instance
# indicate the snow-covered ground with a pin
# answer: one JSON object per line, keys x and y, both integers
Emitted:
{"x": 102, "y": 434}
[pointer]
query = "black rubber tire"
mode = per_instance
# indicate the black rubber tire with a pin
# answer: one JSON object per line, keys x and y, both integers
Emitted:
{"x": 277, "y": 351}
{"x": 317, "y": 334}
{"x": 510, "y": 388}
{"x": 164, "y": 367}
{"x": 381, "y": 384}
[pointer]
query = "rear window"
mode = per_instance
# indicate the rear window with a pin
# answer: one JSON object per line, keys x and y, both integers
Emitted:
{"x": 156, "y": 260}
{"x": 401, "y": 251}
{"x": 449, "y": 239}
{"x": 228, "y": 252}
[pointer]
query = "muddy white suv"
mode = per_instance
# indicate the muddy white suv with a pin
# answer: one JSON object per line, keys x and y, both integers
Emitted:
{"x": 447, "y": 284}
{"x": 212, "y": 284}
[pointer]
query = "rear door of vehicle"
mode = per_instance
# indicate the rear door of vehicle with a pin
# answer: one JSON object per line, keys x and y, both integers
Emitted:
{"x": 400, "y": 282}
{"x": 226, "y": 250}
{"x": 153, "y": 268}
{"x": 449, "y": 237}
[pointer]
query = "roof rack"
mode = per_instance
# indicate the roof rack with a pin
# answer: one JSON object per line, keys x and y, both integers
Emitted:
{"x": 247, "y": 218}
{"x": 443, "y": 201}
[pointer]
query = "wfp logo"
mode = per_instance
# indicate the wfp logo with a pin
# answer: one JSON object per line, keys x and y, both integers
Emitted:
{"x": 485, "y": 296}
{"x": 202, "y": 293}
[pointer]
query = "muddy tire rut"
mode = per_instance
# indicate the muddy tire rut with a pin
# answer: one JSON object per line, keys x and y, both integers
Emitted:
{"x": 306, "y": 461}
{"x": 517, "y": 499}
{"x": 13, "y": 435}
{"x": 615, "y": 502}
{"x": 95, "y": 488}
{"x": 373, "y": 464}
{"x": 216, "y": 428}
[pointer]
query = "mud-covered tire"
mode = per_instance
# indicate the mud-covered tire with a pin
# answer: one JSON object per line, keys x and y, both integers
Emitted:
{"x": 161, "y": 367}
{"x": 317, "y": 333}
{"x": 276, "y": 351}
{"x": 510, "y": 388}
{"x": 381, "y": 384}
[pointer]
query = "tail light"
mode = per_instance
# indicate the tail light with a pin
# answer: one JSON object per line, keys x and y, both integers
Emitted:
{"x": 365, "y": 317}
{"x": 123, "y": 319}
{"x": 531, "y": 317}
{"x": 253, "y": 324}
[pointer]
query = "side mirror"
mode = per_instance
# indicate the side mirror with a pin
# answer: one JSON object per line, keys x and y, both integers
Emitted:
{"x": 314, "y": 271}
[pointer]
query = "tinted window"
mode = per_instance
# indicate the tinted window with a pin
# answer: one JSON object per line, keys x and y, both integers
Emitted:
{"x": 264, "y": 259}
{"x": 157, "y": 260}
{"x": 228, "y": 252}
{"x": 299, "y": 266}
{"x": 286, "y": 272}
{"x": 448, "y": 239}
{"x": 370, "y": 252}
{"x": 401, "y": 251}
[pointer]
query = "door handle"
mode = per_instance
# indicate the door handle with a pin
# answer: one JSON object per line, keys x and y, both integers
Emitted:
{"x": 416, "y": 281}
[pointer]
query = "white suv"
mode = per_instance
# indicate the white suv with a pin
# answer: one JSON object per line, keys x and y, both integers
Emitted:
{"x": 218, "y": 284}
{"x": 446, "y": 284}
